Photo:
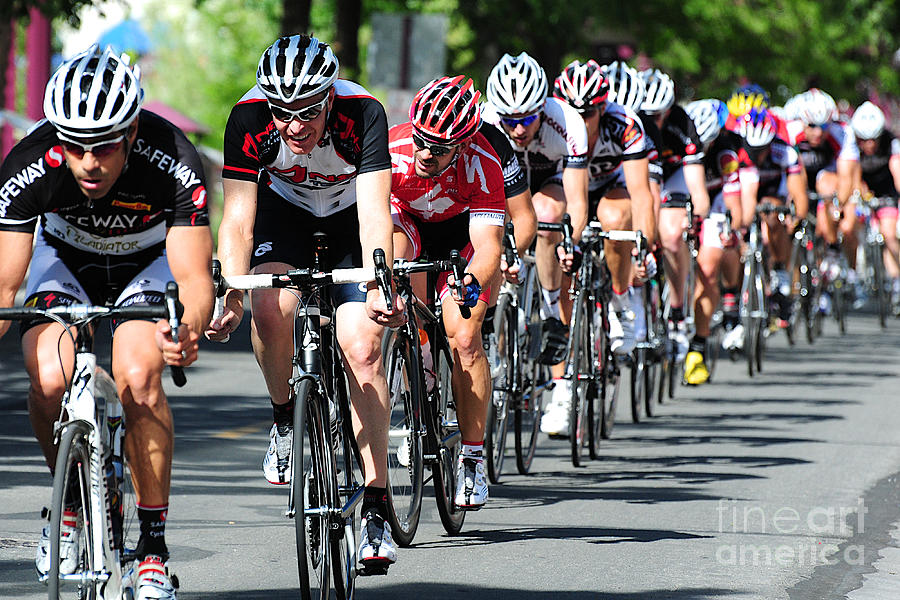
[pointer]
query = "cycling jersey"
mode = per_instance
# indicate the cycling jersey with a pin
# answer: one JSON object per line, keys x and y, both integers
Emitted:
{"x": 680, "y": 142}
{"x": 162, "y": 185}
{"x": 514, "y": 182}
{"x": 653, "y": 141}
{"x": 472, "y": 183}
{"x": 322, "y": 182}
{"x": 769, "y": 167}
{"x": 621, "y": 137}
{"x": 560, "y": 142}
{"x": 723, "y": 161}
{"x": 838, "y": 143}
{"x": 875, "y": 169}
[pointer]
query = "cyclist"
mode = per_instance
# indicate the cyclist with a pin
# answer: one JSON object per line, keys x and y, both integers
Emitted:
{"x": 550, "y": 140}
{"x": 619, "y": 187}
{"x": 306, "y": 152}
{"x": 879, "y": 157}
{"x": 723, "y": 156}
{"x": 446, "y": 194}
{"x": 683, "y": 173}
{"x": 119, "y": 199}
{"x": 830, "y": 158}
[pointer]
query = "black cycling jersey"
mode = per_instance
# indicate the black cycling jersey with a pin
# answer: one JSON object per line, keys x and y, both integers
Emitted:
{"x": 514, "y": 181}
{"x": 322, "y": 182}
{"x": 722, "y": 162}
{"x": 773, "y": 163}
{"x": 162, "y": 186}
{"x": 875, "y": 170}
{"x": 680, "y": 142}
{"x": 654, "y": 143}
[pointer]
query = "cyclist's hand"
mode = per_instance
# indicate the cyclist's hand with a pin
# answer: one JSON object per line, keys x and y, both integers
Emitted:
{"x": 569, "y": 262}
{"x": 376, "y": 309}
{"x": 471, "y": 290}
{"x": 511, "y": 274}
{"x": 648, "y": 269}
{"x": 182, "y": 353}
{"x": 222, "y": 327}
{"x": 729, "y": 239}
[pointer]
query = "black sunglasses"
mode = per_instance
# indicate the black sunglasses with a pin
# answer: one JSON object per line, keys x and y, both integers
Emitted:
{"x": 437, "y": 150}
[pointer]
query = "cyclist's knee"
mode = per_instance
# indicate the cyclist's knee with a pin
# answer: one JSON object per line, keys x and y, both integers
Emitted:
{"x": 363, "y": 355}
{"x": 466, "y": 341}
{"x": 614, "y": 217}
{"x": 139, "y": 383}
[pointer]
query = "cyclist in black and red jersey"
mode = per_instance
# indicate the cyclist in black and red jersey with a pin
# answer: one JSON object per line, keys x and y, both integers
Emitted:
{"x": 119, "y": 200}
{"x": 446, "y": 194}
{"x": 879, "y": 157}
{"x": 683, "y": 173}
{"x": 306, "y": 152}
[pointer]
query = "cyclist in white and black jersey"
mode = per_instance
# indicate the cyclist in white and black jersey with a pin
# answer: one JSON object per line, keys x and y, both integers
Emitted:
{"x": 879, "y": 158}
{"x": 306, "y": 152}
{"x": 118, "y": 198}
{"x": 550, "y": 139}
{"x": 683, "y": 173}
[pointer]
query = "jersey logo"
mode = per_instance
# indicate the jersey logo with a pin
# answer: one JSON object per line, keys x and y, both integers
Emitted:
{"x": 18, "y": 182}
{"x": 132, "y": 205}
{"x": 198, "y": 197}
{"x": 263, "y": 248}
{"x": 54, "y": 156}
{"x": 344, "y": 131}
{"x": 474, "y": 168}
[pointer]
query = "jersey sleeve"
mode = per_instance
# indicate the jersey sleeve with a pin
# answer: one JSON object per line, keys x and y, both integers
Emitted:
{"x": 243, "y": 133}
{"x": 575, "y": 135}
{"x": 28, "y": 174}
{"x": 514, "y": 181}
{"x": 374, "y": 154}
{"x": 634, "y": 138}
{"x": 693, "y": 149}
{"x": 190, "y": 202}
{"x": 895, "y": 147}
{"x": 484, "y": 179}
{"x": 849, "y": 150}
{"x": 728, "y": 164}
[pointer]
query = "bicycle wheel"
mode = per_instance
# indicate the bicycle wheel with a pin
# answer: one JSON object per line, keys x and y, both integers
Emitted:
{"x": 606, "y": 384}
{"x": 878, "y": 288}
{"x": 348, "y": 493}
{"x": 447, "y": 441}
{"x": 638, "y": 381}
{"x": 72, "y": 492}
{"x": 528, "y": 406}
{"x": 311, "y": 493}
{"x": 505, "y": 326}
{"x": 581, "y": 370}
{"x": 405, "y": 455}
{"x": 838, "y": 306}
{"x": 759, "y": 348}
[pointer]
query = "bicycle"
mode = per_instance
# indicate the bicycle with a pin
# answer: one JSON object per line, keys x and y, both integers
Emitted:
{"x": 424, "y": 429}
{"x": 873, "y": 273}
{"x": 646, "y": 356}
{"x": 808, "y": 283}
{"x": 92, "y": 476}
{"x": 326, "y": 471}
{"x": 522, "y": 380}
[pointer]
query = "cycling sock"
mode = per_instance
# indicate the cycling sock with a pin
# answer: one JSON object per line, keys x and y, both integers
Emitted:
{"x": 549, "y": 303}
{"x": 487, "y": 326}
{"x": 619, "y": 300}
{"x": 835, "y": 246}
{"x": 374, "y": 498}
{"x": 283, "y": 413}
{"x": 698, "y": 344}
{"x": 153, "y": 532}
{"x": 779, "y": 266}
{"x": 472, "y": 449}
{"x": 676, "y": 315}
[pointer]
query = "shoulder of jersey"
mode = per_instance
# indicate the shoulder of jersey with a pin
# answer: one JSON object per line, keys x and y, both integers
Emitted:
{"x": 350, "y": 89}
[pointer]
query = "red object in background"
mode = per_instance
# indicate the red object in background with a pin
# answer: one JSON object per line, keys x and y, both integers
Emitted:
{"x": 37, "y": 50}
{"x": 179, "y": 120}
{"x": 9, "y": 94}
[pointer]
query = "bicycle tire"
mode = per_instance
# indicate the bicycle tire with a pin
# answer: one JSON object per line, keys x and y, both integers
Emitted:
{"x": 73, "y": 476}
{"x": 497, "y": 423}
{"x": 837, "y": 302}
{"x": 580, "y": 369}
{"x": 607, "y": 391}
{"x": 878, "y": 285}
{"x": 348, "y": 474}
{"x": 638, "y": 381}
{"x": 528, "y": 407}
{"x": 750, "y": 343}
{"x": 442, "y": 419}
{"x": 713, "y": 348}
{"x": 311, "y": 488}
{"x": 759, "y": 349}
{"x": 405, "y": 481}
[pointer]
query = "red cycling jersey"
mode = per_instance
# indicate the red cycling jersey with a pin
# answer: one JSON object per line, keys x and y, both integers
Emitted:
{"x": 473, "y": 182}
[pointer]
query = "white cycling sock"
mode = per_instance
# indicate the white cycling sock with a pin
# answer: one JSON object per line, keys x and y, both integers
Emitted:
{"x": 549, "y": 303}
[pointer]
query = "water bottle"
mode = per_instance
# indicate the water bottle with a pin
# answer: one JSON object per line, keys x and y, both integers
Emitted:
{"x": 427, "y": 360}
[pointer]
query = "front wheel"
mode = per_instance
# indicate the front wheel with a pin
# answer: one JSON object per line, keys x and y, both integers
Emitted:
{"x": 638, "y": 383}
{"x": 497, "y": 425}
{"x": 72, "y": 504}
{"x": 446, "y": 439}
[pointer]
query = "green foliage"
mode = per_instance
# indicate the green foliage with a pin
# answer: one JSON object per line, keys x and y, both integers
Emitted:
{"x": 64, "y": 9}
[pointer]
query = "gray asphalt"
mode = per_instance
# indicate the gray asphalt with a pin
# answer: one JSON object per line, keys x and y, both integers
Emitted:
{"x": 738, "y": 489}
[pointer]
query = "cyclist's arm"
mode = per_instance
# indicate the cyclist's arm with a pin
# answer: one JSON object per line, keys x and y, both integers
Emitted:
{"x": 845, "y": 175}
{"x": 894, "y": 167}
{"x": 575, "y": 185}
{"x": 373, "y": 201}
{"x": 796, "y": 188}
{"x": 487, "y": 243}
{"x": 524, "y": 219}
{"x": 236, "y": 230}
{"x": 15, "y": 248}
{"x": 637, "y": 180}
{"x": 189, "y": 252}
{"x": 695, "y": 179}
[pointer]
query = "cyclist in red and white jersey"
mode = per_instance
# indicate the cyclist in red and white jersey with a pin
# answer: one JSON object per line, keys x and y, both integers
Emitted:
{"x": 550, "y": 139}
{"x": 446, "y": 194}
{"x": 879, "y": 158}
{"x": 307, "y": 152}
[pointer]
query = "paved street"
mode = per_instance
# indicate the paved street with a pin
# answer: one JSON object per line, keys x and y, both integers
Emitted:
{"x": 786, "y": 486}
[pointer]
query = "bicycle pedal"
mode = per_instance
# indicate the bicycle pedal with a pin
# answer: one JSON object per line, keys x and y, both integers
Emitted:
{"x": 376, "y": 569}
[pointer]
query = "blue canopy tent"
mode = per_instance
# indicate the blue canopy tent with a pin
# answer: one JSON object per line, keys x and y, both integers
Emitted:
{"x": 127, "y": 36}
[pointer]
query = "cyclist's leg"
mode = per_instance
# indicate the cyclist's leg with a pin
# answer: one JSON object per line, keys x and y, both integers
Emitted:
{"x": 826, "y": 225}
{"x": 849, "y": 227}
{"x": 887, "y": 225}
{"x": 706, "y": 297}
{"x": 614, "y": 213}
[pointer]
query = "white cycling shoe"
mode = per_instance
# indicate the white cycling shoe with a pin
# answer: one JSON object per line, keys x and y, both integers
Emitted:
{"x": 376, "y": 546}
{"x": 471, "y": 483}
{"x": 277, "y": 462}
{"x": 69, "y": 546}
{"x": 555, "y": 420}
{"x": 149, "y": 580}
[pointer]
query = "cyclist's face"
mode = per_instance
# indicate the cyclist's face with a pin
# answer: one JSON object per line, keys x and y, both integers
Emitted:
{"x": 814, "y": 134}
{"x": 97, "y": 173}
{"x": 427, "y": 165}
{"x": 521, "y": 134}
{"x": 302, "y": 136}
{"x": 592, "y": 118}
{"x": 867, "y": 147}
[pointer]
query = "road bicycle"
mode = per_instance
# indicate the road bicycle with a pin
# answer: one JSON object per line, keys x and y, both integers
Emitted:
{"x": 647, "y": 356}
{"x": 326, "y": 469}
{"x": 522, "y": 379}
{"x": 92, "y": 478}
{"x": 871, "y": 268}
{"x": 807, "y": 282}
{"x": 424, "y": 429}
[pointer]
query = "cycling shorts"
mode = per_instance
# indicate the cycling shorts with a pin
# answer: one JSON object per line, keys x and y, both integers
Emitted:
{"x": 435, "y": 241}
{"x": 616, "y": 180}
{"x": 711, "y": 230}
{"x": 675, "y": 184}
{"x": 283, "y": 232}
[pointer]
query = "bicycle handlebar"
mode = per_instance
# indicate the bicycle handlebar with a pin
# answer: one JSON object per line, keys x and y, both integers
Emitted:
{"x": 298, "y": 278}
{"x": 457, "y": 264}
{"x": 509, "y": 245}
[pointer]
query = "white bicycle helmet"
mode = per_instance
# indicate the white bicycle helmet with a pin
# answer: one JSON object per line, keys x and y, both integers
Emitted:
{"x": 815, "y": 107}
{"x": 517, "y": 85}
{"x": 296, "y": 67}
{"x": 705, "y": 115}
{"x": 867, "y": 121}
{"x": 625, "y": 85}
{"x": 660, "y": 94}
{"x": 93, "y": 94}
{"x": 758, "y": 127}
{"x": 582, "y": 85}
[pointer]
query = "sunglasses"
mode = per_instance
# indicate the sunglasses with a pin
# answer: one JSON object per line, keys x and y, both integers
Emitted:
{"x": 523, "y": 121}
{"x": 437, "y": 150}
{"x": 98, "y": 149}
{"x": 307, "y": 113}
